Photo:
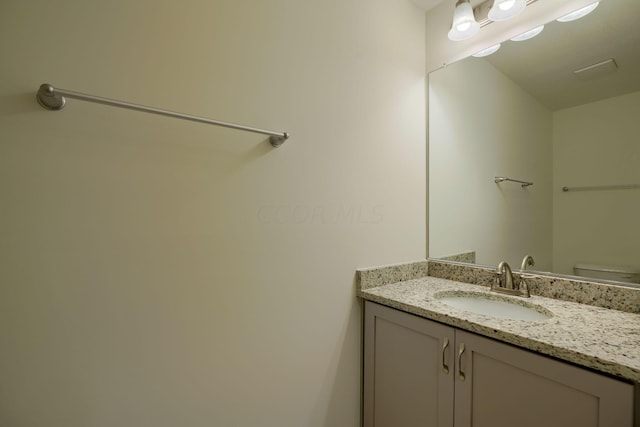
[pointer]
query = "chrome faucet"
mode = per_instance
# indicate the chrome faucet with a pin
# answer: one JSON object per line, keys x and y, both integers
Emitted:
{"x": 504, "y": 276}
{"x": 504, "y": 282}
{"x": 527, "y": 261}
{"x": 524, "y": 288}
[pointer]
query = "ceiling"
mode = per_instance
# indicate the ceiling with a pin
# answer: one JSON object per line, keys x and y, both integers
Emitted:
{"x": 544, "y": 66}
{"x": 427, "y": 4}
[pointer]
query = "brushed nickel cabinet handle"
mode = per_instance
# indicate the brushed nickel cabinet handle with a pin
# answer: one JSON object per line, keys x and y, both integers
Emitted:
{"x": 445, "y": 344}
{"x": 460, "y": 373}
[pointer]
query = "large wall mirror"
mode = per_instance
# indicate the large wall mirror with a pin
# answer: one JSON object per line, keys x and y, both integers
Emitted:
{"x": 559, "y": 110}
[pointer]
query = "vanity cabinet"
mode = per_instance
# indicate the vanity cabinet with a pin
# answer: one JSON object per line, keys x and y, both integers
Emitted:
{"x": 422, "y": 373}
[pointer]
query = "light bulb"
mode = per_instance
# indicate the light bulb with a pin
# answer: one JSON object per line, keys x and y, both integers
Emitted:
{"x": 506, "y": 5}
{"x": 505, "y": 9}
{"x": 464, "y": 23}
{"x": 488, "y": 51}
{"x": 528, "y": 34}
{"x": 577, "y": 14}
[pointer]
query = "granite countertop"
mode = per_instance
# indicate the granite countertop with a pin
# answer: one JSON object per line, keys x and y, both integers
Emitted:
{"x": 599, "y": 338}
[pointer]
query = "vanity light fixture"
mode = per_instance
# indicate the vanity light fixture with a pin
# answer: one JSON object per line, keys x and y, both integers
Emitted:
{"x": 580, "y": 13}
{"x": 468, "y": 20}
{"x": 464, "y": 24}
{"x": 528, "y": 34}
{"x": 505, "y": 9}
{"x": 488, "y": 51}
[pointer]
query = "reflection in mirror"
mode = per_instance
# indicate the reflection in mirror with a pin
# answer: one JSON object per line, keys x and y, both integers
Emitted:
{"x": 559, "y": 110}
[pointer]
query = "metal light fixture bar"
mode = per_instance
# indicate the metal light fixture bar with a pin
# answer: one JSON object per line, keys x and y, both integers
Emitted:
{"x": 481, "y": 12}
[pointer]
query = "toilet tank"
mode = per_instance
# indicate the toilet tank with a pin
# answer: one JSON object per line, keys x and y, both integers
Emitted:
{"x": 619, "y": 274}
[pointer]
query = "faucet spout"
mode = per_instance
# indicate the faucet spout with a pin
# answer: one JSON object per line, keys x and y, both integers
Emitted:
{"x": 504, "y": 281}
{"x": 505, "y": 275}
{"x": 527, "y": 261}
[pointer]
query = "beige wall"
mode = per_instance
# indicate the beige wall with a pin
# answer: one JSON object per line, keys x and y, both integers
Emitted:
{"x": 165, "y": 273}
{"x": 597, "y": 144}
{"x": 478, "y": 131}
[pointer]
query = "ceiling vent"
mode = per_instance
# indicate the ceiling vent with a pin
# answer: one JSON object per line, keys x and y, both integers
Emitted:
{"x": 596, "y": 70}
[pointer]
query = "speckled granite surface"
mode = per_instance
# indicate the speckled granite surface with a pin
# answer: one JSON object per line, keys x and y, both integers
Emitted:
{"x": 378, "y": 276}
{"x": 469, "y": 257}
{"x": 581, "y": 291}
{"x": 594, "y": 337}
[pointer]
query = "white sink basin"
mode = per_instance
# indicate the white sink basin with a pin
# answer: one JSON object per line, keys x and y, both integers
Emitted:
{"x": 494, "y": 306}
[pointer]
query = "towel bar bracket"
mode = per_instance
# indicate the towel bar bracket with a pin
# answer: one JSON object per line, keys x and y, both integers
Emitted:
{"x": 49, "y": 99}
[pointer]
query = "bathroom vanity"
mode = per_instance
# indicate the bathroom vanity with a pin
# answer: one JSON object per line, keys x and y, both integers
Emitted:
{"x": 428, "y": 363}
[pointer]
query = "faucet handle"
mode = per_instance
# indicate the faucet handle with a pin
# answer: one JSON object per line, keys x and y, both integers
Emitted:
{"x": 524, "y": 287}
{"x": 497, "y": 281}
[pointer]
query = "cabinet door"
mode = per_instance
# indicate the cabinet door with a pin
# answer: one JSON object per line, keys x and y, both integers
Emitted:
{"x": 408, "y": 370}
{"x": 504, "y": 386}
